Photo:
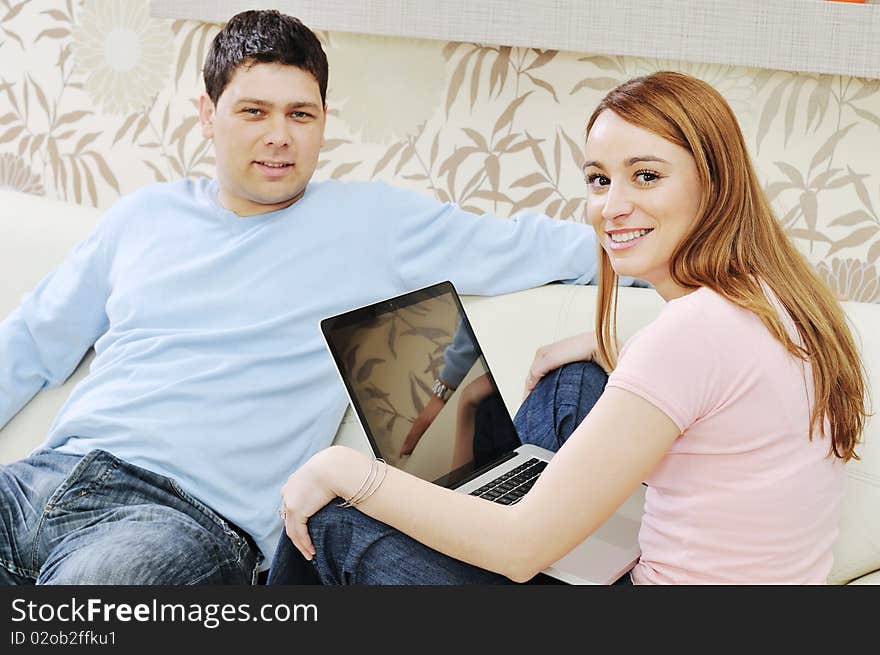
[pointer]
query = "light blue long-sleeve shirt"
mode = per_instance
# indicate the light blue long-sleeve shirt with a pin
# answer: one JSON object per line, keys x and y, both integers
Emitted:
{"x": 209, "y": 365}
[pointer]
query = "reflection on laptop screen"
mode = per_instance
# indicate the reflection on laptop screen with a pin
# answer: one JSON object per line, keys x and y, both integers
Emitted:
{"x": 390, "y": 354}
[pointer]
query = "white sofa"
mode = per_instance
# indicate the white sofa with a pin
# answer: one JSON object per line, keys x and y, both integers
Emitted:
{"x": 36, "y": 233}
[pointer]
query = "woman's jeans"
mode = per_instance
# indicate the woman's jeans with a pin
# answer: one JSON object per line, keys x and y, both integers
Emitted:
{"x": 353, "y": 548}
{"x": 96, "y": 519}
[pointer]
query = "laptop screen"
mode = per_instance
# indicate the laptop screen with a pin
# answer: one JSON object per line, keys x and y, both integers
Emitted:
{"x": 391, "y": 355}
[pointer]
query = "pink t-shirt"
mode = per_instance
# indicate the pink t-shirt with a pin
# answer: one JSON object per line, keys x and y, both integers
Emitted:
{"x": 743, "y": 496}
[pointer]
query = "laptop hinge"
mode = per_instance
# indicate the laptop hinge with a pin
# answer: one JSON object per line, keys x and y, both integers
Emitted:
{"x": 453, "y": 481}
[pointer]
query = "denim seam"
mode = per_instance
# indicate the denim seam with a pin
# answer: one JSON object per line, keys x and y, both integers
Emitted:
{"x": 206, "y": 511}
{"x": 59, "y": 492}
{"x": 235, "y": 559}
{"x": 240, "y": 543}
{"x": 258, "y": 558}
{"x": 15, "y": 570}
{"x": 205, "y": 576}
{"x": 555, "y": 425}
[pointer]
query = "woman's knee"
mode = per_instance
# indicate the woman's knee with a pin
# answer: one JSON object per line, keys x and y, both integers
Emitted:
{"x": 341, "y": 536}
{"x": 559, "y": 402}
{"x": 579, "y": 382}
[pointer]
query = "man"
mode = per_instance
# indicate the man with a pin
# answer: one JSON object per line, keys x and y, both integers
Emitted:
{"x": 210, "y": 384}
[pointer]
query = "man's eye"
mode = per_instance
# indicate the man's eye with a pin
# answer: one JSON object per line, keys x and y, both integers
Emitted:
{"x": 253, "y": 111}
{"x": 301, "y": 115}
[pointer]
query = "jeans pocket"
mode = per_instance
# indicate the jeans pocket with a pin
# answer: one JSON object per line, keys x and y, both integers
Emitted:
{"x": 87, "y": 477}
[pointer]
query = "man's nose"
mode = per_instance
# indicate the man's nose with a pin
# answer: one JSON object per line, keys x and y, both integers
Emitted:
{"x": 276, "y": 134}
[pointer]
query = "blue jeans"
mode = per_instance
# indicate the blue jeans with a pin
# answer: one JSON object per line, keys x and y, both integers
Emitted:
{"x": 353, "y": 548}
{"x": 95, "y": 519}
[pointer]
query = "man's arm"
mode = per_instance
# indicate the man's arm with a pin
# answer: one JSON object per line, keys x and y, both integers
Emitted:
{"x": 47, "y": 335}
{"x": 486, "y": 255}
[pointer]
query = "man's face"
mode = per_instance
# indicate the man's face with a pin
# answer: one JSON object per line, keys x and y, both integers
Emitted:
{"x": 268, "y": 128}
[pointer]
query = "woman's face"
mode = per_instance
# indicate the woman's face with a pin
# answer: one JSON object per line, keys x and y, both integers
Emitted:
{"x": 644, "y": 194}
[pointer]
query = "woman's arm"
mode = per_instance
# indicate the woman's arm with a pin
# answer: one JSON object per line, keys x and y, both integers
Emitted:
{"x": 578, "y": 348}
{"x": 615, "y": 448}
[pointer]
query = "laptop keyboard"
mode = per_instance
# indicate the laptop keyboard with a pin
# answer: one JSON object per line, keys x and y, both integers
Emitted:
{"x": 509, "y": 488}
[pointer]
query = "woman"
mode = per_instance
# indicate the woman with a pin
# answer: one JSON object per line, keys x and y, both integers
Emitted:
{"x": 738, "y": 405}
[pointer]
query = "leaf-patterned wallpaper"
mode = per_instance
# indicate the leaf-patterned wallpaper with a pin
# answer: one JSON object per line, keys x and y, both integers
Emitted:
{"x": 97, "y": 99}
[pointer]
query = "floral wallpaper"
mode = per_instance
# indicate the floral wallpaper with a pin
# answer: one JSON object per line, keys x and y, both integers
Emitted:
{"x": 97, "y": 99}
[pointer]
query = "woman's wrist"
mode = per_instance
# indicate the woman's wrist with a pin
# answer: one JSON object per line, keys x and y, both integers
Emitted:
{"x": 590, "y": 344}
{"x": 342, "y": 469}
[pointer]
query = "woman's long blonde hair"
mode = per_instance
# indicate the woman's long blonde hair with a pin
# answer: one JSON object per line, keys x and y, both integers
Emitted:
{"x": 736, "y": 244}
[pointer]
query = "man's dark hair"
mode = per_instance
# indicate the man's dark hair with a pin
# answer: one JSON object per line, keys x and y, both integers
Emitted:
{"x": 263, "y": 36}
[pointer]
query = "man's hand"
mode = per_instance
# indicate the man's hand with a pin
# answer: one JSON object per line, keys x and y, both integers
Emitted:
{"x": 423, "y": 420}
{"x": 579, "y": 348}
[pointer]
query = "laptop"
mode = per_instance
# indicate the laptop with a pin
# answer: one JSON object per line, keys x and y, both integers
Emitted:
{"x": 389, "y": 354}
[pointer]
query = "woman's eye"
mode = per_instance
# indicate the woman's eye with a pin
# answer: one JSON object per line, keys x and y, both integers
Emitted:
{"x": 595, "y": 180}
{"x": 646, "y": 177}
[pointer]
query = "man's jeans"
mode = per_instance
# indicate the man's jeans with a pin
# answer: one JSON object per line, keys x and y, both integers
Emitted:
{"x": 353, "y": 548}
{"x": 66, "y": 519}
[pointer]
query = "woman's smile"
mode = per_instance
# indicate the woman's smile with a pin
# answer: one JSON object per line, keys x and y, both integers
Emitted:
{"x": 623, "y": 239}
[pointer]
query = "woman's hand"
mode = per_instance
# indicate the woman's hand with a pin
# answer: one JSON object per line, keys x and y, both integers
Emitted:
{"x": 307, "y": 490}
{"x": 579, "y": 348}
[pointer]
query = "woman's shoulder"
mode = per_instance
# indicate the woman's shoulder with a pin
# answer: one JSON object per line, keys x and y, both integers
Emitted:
{"x": 702, "y": 326}
{"x": 683, "y": 360}
{"x": 703, "y": 311}
{"x": 700, "y": 300}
